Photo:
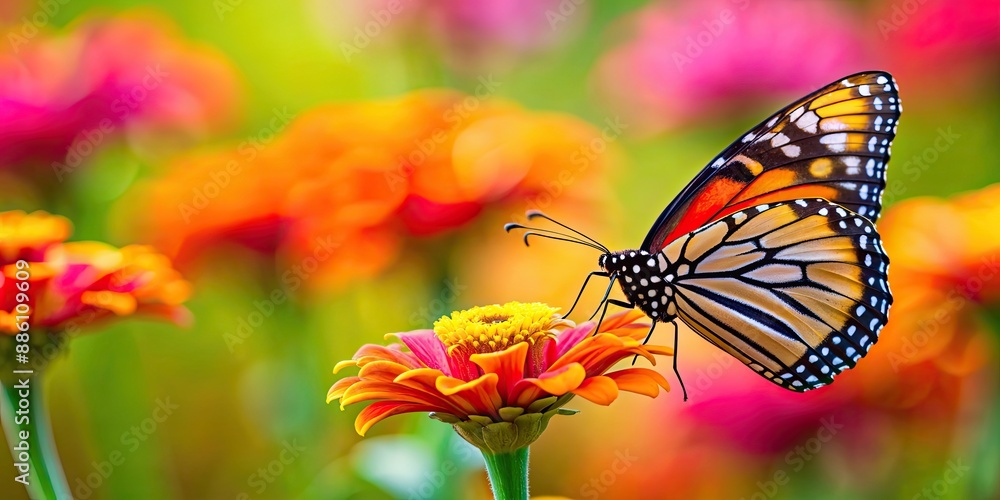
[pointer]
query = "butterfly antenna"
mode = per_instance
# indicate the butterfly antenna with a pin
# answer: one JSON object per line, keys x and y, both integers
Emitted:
{"x": 552, "y": 235}
{"x": 533, "y": 214}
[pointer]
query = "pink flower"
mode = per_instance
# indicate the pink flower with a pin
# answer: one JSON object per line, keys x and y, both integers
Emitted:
{"x": 63, "y": 96}
{"x": 931, "y": 38}
{"x": 687, "y": 62}
{"x": 470, "y": 34}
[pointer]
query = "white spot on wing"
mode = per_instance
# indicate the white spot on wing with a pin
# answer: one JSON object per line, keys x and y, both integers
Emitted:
{"x": 835, "y": 142}
{"x": 797, "y": 113}
{"x": 808, "y": 122}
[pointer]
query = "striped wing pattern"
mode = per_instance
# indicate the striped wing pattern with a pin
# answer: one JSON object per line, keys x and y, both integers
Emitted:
{"x": 832, "y": 144}
{"x": 797, "y": 291}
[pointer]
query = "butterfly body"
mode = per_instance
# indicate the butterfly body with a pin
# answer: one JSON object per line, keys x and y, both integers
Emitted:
{"x": 646, "y": 280}
{"x": 771, "y": 252}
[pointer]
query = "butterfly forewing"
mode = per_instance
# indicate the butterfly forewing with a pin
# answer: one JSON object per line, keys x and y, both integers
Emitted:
{"x": 832, "y": 144}
{"x": 797, "y": 291}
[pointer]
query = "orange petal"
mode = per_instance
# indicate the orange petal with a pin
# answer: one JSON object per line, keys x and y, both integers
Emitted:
{"x": 640, "y": 381}
{"x": 372, "y": 352}
{"x": 591, "y": 350}
{"x": 344, "y": 364}
{"x": 119, "y": 303}
{"x": 560, "y": 382}
{"x": 384, "y": 371}
{"x": 376, "y": 412}
{"x": 424, "y": 377}
{"x": 623, "y": 319}
{"x": 339, "y": 387}
{"x": 367, "y": 390}
{"x": 600, "y": 390}
{"x": 508, "y": 365}
{"x": 477, "y": 397}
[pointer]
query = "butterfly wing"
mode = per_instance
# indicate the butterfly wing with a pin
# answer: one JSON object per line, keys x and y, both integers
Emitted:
{"x": 832, "y": 144}
{"x": 797, "y": 291}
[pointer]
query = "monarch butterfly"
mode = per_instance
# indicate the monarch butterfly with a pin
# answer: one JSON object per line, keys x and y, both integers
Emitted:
{"x": 771, "y": 252}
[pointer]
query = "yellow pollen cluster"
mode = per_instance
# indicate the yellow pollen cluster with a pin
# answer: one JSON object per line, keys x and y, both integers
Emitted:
{"x": 495, "y": 328}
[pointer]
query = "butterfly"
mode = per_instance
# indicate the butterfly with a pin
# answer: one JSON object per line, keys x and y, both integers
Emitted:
{"x": 771, "y": 252}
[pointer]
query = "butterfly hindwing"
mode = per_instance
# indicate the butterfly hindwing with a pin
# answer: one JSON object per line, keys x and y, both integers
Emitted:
{"x": 797, "y": 291}
{"x": 832, "y": 144}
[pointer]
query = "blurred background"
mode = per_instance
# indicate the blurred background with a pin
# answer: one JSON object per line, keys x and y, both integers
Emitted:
{"x": 327, "y": 172}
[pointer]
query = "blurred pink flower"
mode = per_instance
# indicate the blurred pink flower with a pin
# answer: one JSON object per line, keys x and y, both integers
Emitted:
{"x": 474, "y": 29}
{"x": 689, "y": 61}
{"x": 471, "y": 34}
{"x": 933, "y": 37}
{"x": 760, "y": 421}
{"x": 62, "y": 96}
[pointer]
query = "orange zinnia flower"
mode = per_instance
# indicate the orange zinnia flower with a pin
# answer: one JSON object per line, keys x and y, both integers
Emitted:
{"x": 66, "y": 286}
{"x": 369, "y": 179}
{"x": 499, "y": 373}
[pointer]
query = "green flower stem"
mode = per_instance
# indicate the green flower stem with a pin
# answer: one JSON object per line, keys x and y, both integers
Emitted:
{"x": 508, "y": 474}
{"x": 45, "y": 475}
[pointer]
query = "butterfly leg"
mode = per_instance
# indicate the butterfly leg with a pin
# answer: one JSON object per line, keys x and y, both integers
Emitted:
{"x": 648, "y": 335}
{"x": 609, "y": 302}
{"x": 676, "y": 372}
{"x": 584, "y": 287}
{"x": 604, "y": 300}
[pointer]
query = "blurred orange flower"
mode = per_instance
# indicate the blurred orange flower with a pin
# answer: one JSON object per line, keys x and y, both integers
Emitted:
{"x": 58, "y": 287}
{"x": 486, "y": 368}
{"x": 63, "y": 96}
{"x": 945, "y": 277}
{"x": 353, "y": 184}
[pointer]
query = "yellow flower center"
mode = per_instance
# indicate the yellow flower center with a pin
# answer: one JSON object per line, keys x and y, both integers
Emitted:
{"x": 494, "y": 328}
